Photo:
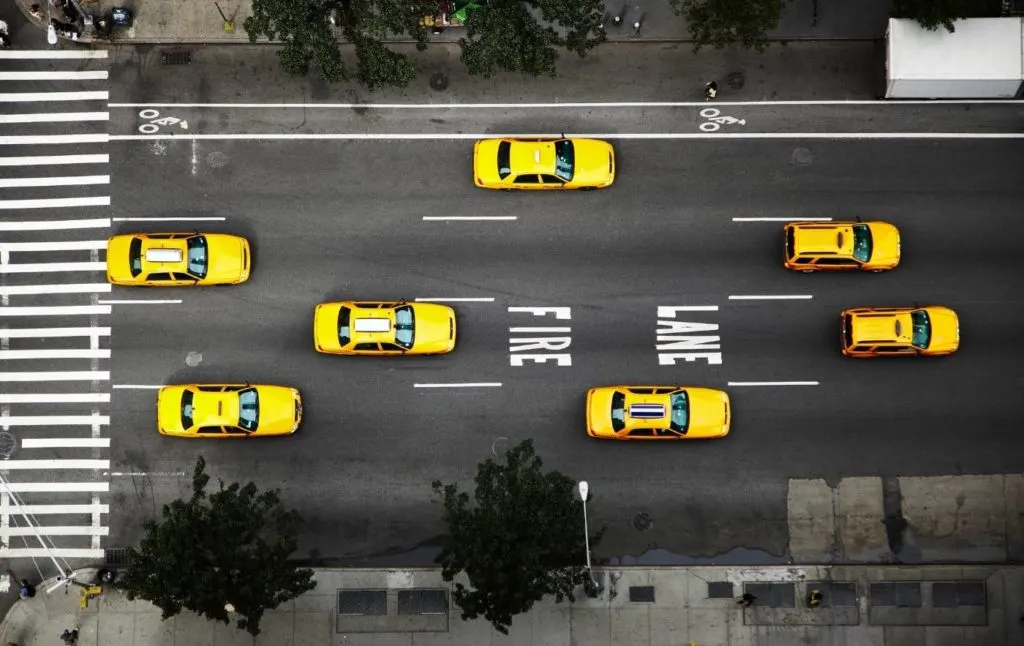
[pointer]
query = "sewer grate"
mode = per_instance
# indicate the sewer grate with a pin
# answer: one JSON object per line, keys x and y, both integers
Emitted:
{"x": 115, "y": 556}
{"x": 902, "y": 594}
{"x": 720, "y": 590}
{"x": 950, "y": 594}
{"x": 363, "y": 602}
{"x": 422, "y": 602}
{"x": 176, "y": 58}
{"x": 641, "y": 593}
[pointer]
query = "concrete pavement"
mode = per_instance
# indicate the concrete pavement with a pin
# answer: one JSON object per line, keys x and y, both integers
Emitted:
{"x": 862, "y": 606}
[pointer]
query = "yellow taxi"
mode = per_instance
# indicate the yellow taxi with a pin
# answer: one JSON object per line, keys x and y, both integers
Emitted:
{"x": 841, "y": 246}
{"x": 228, "y": 410}
{"x": 899, "y": 331}
{"x": 657, "y": 413}
{"x": 177, "y": 259}
{"x": 383, "y": 328}
{"x": 543, "y": 164}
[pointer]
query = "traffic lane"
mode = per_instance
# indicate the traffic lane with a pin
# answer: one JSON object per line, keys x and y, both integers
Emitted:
{"x": 452, "y": 120}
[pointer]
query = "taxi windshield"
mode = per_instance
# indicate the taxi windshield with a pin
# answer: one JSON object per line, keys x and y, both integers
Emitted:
{"x": 248, "y": 409}
{"x": 404, "y": 332}
{"x": 680, "y": 412}
{"x": 565, "y": 159}
{"x": 922, "y": 329}
{"x": 135, "y": 256}
{"x": 618, "y": 411}
{"x": 197, "y": 261}
{"x": 344, "y": 331}
{"x": 186, "y": 409}
{"x": 861, "y": 242}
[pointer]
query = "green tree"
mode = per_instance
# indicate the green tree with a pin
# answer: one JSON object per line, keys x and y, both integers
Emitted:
{"x": 507, "y": 35}
{"x": 311, "y": 40}
{"x": 722, "y": 22}
{"x": 518, "y": 539}
{"x": 228, "y": 547}
{"x": 932, "y": 14}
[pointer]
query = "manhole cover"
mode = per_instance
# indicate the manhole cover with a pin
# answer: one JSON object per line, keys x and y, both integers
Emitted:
{"x": 801, "y": 157}
{"x": 643, "y": 521}
{"x": 7, "y": 444}
{"x": 736, "y": 80}
{"x": 193, "y": 359}
{"x": 439, "y": 81}
{"x": 176, "y": 58}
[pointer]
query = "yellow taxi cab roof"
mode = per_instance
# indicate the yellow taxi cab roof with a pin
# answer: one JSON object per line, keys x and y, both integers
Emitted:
{"x": 883, "y": 327}
{"x": 647, "y": 411}
{"x": 372, "y": 325}
{"x": 532, "y": 157}
{"x": 215, "y": 408}
{"x": 817, "y": 238}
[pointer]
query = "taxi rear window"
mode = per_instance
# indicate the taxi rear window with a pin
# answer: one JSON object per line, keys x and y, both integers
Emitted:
{"x": 618, "y": 411}
{"x": 135, "y": 256}
{"x": 504, "y": 159}
{"x": 344, "y": 331}
{"x": 790, "y": 243}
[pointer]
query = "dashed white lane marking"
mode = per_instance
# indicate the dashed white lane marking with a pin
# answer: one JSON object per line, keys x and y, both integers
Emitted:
{"x": 56, "y": 202}
{"x": 62, "y": 375}
{"x": 56, "y": 310}
{"x": 52, "y": 117}
{"x": 66, "y": 442}
{"x": 770, "y": 297}
{"x": 28, "y": 140}
{"x": 54, "y": 160}
{"x": 443, "y": 218}
{"x": 85, "y": 75}
{"x": 181, "y": 219}
{"x": 569, "y": 104}
{"x": 51, "y": 267}
{"x": 55, "y": 398}
{"x": 480, "y": 384}
{"x": 69, "y": 245}
{"x": 52, "y": 332}
{"x": 669, "y": 311}
{"x": 57, "y": 487}
{"x": 170, "y": 301}
{"x": 793, "y": 219}
{"x": 74, "y": 288}
{"x": 455, "y": 299}
{"x": 773, "y": 383}
{"x": 26, "y": 465}
{"x": 56, "y": 225}
{"x": 135, "y": 387}
{"x": 97, "y": 353}
{"x": 35, "y": 182}
{"x": 54, "y": 420}
{"x": 53, "y": 53}
{"x": 534, "y": 330}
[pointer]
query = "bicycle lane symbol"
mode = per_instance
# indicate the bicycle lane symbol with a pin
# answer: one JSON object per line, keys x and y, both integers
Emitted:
{"x": 714, "y": 121}
{"x": 155, "y": 121}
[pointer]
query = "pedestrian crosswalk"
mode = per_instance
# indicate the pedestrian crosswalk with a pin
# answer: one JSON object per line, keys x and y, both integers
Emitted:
{"x": 54, "y": 324}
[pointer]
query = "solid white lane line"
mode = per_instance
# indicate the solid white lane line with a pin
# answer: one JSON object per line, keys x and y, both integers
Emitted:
{"x": 773, "y": 383}
{"x": 53, "y": 420}
{"x": 81, "y": 288}
{"x": 52, "y": 267}
{"x": 55, "y": 202}
{"x": 442, "y": 218}
{"x": 87, "y": 353}
{"x": 56, "y": 310}
{"x": 142, "y": 302}
{"x": 48, "y": 510}
{"x": 53, "y": 117}
{"x": 531, "y": 330}
{"x": 455, "y": 300}
{"x": 85, "y": 75}
{"x": 71, "y": 245}
{"x": 61, "y": 375}
{"x": 57, "y": 530}
{"x": 32, "y": 182}
{"x": 28, "y": 140}
{"x": 481, "y": 384}
{"x": 770, "y": 297}
{"x": 55, "y": 398}
{"x": 54, "y": 160}
{"x": 181, "y": 219}
{"x": 793, "y": 219}
{"x": 556, "y": 105}
{"x": 26, "y": 465}
{"x": 53, "y": 53}
{"x": 35, "y": 97}
{"x": 640, "y": 136}
{"x": 55, "y": 487}
{"x": 135, "y": 387}
{"x": 51, "y": 332}
{"x": 51, "y": 552}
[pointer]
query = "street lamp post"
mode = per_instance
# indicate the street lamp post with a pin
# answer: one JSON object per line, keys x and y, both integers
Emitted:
{"x": 592, "y": 588}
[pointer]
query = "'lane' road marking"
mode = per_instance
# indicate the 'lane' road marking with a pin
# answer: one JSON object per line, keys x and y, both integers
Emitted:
{"x": 770, "y": 297}
{"x": 455, "y": 300}
{"x": 442, "y": 218}
{"x": 62, "y": 375}
{"x": 773, "y": 383}
{"x": 481, "y": 384}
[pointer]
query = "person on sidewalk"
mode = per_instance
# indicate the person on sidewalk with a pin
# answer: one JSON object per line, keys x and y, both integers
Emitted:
{"x": 746, "y": 600}
{"x": 27, "y": 590}
{"x": 710, "y": 90}
{"x": 36, "y": 12}
{"x": 70, "y": 637}
{"x": 814, "y": 598}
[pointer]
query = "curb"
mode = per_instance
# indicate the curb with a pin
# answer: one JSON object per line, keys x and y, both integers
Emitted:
{"x": 440, "y": 43}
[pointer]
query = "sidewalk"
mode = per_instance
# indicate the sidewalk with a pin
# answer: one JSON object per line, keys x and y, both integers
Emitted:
{"x": 862, "y": 606}
{"x": 169, "y": 21}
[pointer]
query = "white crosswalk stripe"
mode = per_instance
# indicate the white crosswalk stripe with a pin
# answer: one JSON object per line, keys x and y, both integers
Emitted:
{"x": 55, "y": 218}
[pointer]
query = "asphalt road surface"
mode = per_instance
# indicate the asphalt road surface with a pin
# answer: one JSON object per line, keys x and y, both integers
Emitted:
{"x": 687, "y": 225}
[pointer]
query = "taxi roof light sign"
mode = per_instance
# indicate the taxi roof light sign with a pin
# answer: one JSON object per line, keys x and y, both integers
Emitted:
{"x": 163, "y": 255}
{"x": 373, "y": 325}
{"x": 647, "y": 411}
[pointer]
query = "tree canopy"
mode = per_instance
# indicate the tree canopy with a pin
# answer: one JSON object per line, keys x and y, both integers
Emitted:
{"x": 511, "y": 35}
{"x": 518, "y": 538}
{"x": 932, "y": 14}
{"x": 723, "y": 22}
{"x": 228, "y": 547}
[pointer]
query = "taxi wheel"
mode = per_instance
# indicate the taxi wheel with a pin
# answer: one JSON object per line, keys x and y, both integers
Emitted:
{"x": 587, "y": 188}
{"x": 807, "y": 271}
{"x": 877, "y": 271}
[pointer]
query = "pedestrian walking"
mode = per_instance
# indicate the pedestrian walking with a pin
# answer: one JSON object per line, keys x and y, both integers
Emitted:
{"x": 27, "y": 590}
{"x": 746, "y": 600}
{"x": 69, "y": 637}
{"x": 710, "y": 90}
{"x": 36, "y": 12}
{"x": 814, "y": 598}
